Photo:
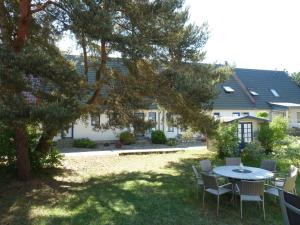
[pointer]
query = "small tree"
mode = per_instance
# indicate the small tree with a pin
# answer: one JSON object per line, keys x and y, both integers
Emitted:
{"x": 227, "y": 141}
{"x": 272, "y": 134}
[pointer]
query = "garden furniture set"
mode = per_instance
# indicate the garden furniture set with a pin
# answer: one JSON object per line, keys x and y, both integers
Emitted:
{"x": 250, "y": 183}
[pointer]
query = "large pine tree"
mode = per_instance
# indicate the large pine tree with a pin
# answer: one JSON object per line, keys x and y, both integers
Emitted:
{"x": 161, "y": 50}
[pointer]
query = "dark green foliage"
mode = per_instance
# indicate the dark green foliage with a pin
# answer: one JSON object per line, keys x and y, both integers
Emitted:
{"x": 289, "y": 149}
{"x": 158, "y": 137}
{"x": 38, "y": 160}
{"x": 265, "y": 136}
{"x": 160, "y": 49}
{"x": 271, "y": 134}
{"x": 84, "y": 143}
{"x": 127, "y": 138}
{"x": 7, "y": 145}
{"x": 51, "y": 159}
{"x": 172, "y": 142}
{"x": 296, "y": 78}
{"x": 226, "y": 140}
{"x": 253, "y": 153}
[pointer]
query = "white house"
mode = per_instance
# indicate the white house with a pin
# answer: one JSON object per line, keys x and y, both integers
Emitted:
{"x": 244, "y": 94}
{"x": 250, "y": 91}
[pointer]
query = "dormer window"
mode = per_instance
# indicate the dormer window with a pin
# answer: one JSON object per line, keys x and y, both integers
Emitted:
{"x": 228, "y": 89}
{"x": 274, "y": 92}
{"x": 253, "y": 93}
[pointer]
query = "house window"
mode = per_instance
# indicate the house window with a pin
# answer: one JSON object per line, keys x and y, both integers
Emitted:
{"x": 253, "y": 93}
{"x": 274, "y": 92}
{"x": 236, "y": 114}
{"x": 216, "y": 115}
{"x": 170, "y": 121}
{"x": 95, "y": 119}
{"x": 228, "y": 89}
{"x": 298, "y": 117}
{"x": 245, "y": 114}
{"x": 152, "y": 117}
{"x": 139, "y": 115}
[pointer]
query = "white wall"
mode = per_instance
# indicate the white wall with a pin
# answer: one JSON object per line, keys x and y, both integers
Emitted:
{"x": 292, "y": 115}
{"x": 84, "y": 129}
{"x": 227, "y": 114}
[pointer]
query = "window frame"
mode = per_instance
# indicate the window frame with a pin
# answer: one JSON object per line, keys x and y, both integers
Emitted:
{"x": 98, "y": 121}
{"x": 238, "y": 114}
{"x": 168, "y": 117}
{"x": 274, "y": 92}
{"x": 216, "y": 115}
{"x": 298, "y": 117}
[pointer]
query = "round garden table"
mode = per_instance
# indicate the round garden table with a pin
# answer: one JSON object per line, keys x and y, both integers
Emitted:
{"x": 243, "y": 173}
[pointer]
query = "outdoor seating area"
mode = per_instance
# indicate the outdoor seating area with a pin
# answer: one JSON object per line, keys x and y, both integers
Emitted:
{"x": 244, "y": 182}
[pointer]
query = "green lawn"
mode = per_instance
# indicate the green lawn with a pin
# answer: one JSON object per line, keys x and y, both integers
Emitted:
{"x": 137, "y": 189}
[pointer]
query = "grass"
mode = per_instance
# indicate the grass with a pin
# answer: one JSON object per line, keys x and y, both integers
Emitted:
{"x": 135, "y": 189}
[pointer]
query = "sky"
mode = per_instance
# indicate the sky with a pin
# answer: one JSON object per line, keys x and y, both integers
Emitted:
{"x": 258, "y": 34}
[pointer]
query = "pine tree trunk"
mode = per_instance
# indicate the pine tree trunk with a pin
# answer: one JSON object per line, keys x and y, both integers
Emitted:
{"x": 22, "y": 154}
{"x": 23, "y": 162}
{"x": 45, "y": 142}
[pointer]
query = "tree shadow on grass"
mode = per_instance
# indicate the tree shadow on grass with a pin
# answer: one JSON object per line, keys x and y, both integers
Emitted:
{"x": 125, "y": 198}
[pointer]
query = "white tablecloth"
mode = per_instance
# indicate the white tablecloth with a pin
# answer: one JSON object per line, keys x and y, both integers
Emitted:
{"x": 254, "y": 174}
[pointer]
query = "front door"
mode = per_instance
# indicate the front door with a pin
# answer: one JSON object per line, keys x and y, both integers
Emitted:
{"x": 245, "y": 133}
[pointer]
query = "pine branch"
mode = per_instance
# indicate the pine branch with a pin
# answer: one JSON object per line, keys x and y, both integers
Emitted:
{"x": 42, "y": 7}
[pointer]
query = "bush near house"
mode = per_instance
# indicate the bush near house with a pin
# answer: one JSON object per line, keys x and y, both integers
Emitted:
{"x": 271, "y": 135}
{"x": 158, "y": 137}
{"x": 226, "y": 140}
{"x": 172, "y": 142}
{"x": 253, "y": 153}
{"x": 84, "y": 143}
{"x": 187, "y": 136}
{"x": 38, "y": 160}
{"x": 127, "y": 138}
{"x": 289, "y": 150}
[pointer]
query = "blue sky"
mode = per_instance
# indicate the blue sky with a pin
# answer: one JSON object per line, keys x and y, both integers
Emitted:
{"x": 260, "y": 34}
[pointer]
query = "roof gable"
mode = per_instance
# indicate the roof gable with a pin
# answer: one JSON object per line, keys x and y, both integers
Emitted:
{"x": 260, "y": 81}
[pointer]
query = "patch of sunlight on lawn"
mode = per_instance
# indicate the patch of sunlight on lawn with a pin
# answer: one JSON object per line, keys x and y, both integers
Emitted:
{"x": 122, "y": 207}
{"x": 134, "y": 184}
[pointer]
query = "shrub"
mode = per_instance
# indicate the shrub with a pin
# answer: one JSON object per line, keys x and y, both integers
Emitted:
{"x": 7, "y": 145}
{"x": 37, "y": 160}
{"x": 289, "y": 150}
{"x": 127, "y": 138}
{"x": 262, "y": 115}
{"x": 265, "y": 136}
{"x": 253, "y": 153}
{"x": 279, "y": 126}
{"x": 84, "y": 143}
{"x": 271, "y": 135}
{"x": 187, "y": 136}
{"x": 158, "y": 137}
{"x": 172, "y": 142}
{"x": 50, "y": 160}
{"x": 226, "y": 140}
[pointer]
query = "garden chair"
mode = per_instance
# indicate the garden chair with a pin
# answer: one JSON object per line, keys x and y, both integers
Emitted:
{"x": 289, "y": 185}
{"x": 290, "y": 208}
{"x": 198, "y": 178}
{"x": 251, "y": 191}
{"x": 233, "y": 161}
{"x": 210, "y": 185}
{"x": 279, "y": 181}
{"x": 269, "y": 165}
{"x": 206, "y": 166}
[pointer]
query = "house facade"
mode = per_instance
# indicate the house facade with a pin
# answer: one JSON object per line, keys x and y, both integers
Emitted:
{"x": 240, "y": 98}
{"x": 251, "y": 91}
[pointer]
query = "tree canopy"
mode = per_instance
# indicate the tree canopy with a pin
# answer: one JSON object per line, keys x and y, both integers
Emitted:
{"x": 161, "y": 50}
